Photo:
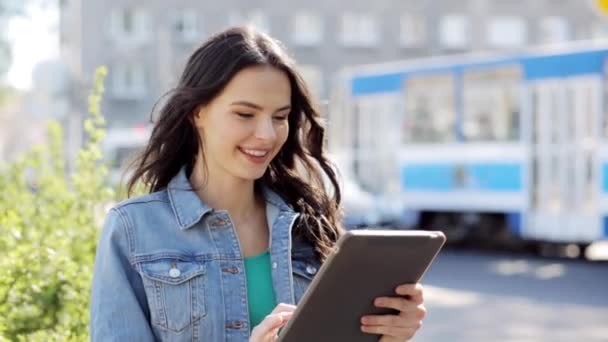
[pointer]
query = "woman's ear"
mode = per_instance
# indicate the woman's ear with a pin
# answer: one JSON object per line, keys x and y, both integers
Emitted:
{"x": 198, "y": 115}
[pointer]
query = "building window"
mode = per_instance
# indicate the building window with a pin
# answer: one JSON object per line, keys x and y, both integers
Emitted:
{"x": 129, "y": 24}
{"x": 128, "y": 81}
{"x": 313, "y": 76}
{"x": 256, "y": 18}
{"x": 412, "y": 30}
{"x": 359, "y": 30}
{"x": 307, "y": 28}
{"x": 554, "y": 30}
{"x": 454, "y": 31}
{"x": 185, "y": 25}
{"x": 599, "y": 31}
{"x": 507, "y": 32}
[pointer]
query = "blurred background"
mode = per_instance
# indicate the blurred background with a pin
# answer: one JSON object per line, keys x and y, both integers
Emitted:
{"x": 485, "y": 119}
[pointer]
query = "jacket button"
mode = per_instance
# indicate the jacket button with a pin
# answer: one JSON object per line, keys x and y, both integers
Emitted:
{"x": 174, "y": 272}
{"x": 311, "y": 269}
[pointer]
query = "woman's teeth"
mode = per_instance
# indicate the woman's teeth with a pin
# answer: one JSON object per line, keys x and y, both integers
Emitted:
{"x": 255, "y": 153}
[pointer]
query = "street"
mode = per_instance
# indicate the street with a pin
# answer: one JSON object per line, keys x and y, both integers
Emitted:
{"x": 498, "y": 296}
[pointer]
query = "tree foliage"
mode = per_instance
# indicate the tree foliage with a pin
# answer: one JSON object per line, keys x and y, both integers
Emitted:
{"x": 49, "y": 225}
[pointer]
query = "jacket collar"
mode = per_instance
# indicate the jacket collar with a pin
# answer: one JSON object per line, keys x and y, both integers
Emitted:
{"x": 187, "y": 206}
{"x": 189, "y": 209}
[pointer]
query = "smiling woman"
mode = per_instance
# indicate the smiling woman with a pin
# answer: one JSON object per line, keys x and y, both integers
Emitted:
{"x": 257, "y": 102}
{"x": 232, "y": 231}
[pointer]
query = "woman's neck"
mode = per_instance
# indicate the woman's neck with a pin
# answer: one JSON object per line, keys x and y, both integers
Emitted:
{"x": 224, "y": 191}
{"x": 237, "y": 196}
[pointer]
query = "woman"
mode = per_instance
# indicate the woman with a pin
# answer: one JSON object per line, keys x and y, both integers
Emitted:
{"x": 236, "y": 207}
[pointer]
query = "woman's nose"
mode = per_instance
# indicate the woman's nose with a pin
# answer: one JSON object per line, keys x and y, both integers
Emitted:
{"x": 265, "y": 130}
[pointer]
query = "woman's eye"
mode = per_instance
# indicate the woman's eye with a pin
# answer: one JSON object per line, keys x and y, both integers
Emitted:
{"x": 281, "y": 117}
{"x": 245, "y": 115}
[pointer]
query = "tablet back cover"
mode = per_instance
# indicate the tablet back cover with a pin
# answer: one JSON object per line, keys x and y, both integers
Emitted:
{"x": 366, "y": 265}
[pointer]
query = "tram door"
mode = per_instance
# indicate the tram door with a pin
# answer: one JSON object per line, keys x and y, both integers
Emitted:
{"x": 564, "y": 170}
{"x": 377, "y": 137}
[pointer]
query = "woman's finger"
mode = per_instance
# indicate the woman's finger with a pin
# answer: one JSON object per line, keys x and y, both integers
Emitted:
{"x": 398, "y": 303}
{"x": 390, "y": 320}
{"x": 397, "y": 332}
{"x": 413, "y": 292}
{"x": 282, "y": 307}
{"x": 267, "y": 330}
{"x": 278, "y": 317}
{"x": 278, "y": 320}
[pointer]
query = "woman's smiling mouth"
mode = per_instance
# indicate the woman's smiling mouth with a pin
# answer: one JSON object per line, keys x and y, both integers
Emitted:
{"x": 257, "y": 156}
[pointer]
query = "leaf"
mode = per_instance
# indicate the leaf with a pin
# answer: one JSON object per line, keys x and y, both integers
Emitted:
{"x": 48, "y": 229}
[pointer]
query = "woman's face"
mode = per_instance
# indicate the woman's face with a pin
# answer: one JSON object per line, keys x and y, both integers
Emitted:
{"x": 246, "y": 125}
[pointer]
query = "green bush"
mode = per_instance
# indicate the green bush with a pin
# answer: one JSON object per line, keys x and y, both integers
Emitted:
{"x": 49, "y": 225}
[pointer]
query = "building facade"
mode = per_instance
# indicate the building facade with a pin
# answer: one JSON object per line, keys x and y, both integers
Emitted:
{"x": 145, "y": 43}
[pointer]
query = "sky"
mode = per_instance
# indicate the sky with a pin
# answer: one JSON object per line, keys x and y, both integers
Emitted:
{"x": 35, "y": 38}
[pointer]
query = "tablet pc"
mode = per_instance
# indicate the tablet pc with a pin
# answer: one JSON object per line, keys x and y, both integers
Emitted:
{"x": 366, "y": 264}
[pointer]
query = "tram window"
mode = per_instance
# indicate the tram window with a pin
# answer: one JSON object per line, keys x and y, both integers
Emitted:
{"x": 590, "y": 110}
{"x": 535, "y": 183}
{"x": 555, "y": 182}
{"x": 535, "y": 117}
{"x": 590, "y": 113}
{"x": 370, "y": 123}
{"x": 570, "y": 117}
{"x": 589, "y": 186}
{"x": 556, "y": 116}
{"x": 429, "y": 109}
{"x": 604, "y": 123}
{"x": 377, "y": 114}
{"x": 491, "y": 105}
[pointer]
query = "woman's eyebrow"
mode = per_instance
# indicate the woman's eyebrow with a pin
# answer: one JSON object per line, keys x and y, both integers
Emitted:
{"x": 257, "y": 107}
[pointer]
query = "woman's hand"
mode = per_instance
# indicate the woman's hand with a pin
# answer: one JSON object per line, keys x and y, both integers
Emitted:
{"x": 268, "y": 329}
{"x": 401, "y": 327}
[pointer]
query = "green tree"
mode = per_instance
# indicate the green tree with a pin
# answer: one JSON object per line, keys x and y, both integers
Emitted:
{"x": 49, "y": 225}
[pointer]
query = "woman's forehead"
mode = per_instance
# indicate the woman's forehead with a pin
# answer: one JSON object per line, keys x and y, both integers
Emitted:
{"x": 260, "y": 81}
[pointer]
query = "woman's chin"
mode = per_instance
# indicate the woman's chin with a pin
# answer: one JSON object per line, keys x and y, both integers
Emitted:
{"x": 252, "y": 175}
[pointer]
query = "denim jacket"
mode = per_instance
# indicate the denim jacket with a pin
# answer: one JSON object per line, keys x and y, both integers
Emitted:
{"x": 169, "y": 268}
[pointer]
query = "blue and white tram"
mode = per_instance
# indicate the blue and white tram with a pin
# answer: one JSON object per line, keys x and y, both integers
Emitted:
{"x": 484, "y": 145}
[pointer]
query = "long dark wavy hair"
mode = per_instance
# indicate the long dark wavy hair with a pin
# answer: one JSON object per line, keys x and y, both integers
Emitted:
{"x": 300, "y": 171}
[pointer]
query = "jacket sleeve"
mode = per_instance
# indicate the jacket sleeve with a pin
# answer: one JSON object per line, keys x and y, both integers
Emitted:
{"x": 119, "y": 309}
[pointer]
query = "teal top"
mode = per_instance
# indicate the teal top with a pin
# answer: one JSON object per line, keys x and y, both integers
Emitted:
{"x": 260, "y": 293}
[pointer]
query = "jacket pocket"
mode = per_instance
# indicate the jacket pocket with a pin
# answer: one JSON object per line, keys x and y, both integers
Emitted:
{"x": 175, "y": 289}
